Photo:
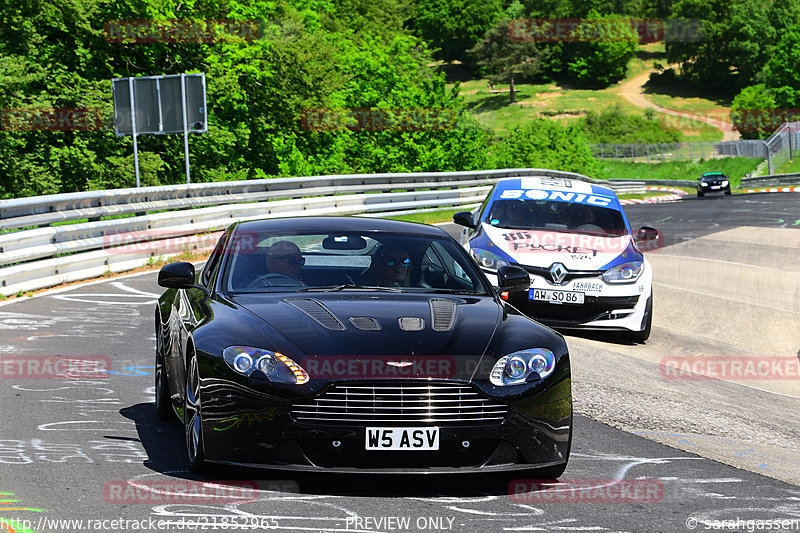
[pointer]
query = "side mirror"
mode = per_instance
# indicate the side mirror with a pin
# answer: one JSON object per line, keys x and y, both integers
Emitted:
{"x": 465, "y": 218}
{"x": 513, "y": 278}
{"x": 649, "y": 238}
{"x": 179, "y": 276}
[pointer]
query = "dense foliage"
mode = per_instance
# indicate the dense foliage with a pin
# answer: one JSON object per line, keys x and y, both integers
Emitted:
{"x": 542, "y": 143}
{"x": 736, "y": 39}
{"x": 334, "y": 63}
{"x": 760, "y": 109}
{"x": 613, "y": 125}
{"x": 349, "y": 86}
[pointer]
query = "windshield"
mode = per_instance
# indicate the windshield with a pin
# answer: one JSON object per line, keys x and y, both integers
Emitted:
{"x": 551, "y": 215}
{"x": 279, "y": 262}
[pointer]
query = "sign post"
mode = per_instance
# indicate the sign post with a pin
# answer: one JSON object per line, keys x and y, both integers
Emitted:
{"x": 160, "y": 105}
{"x": 133, "y": 132}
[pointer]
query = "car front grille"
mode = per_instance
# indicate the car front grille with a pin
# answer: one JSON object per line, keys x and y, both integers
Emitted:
{"x": 401, "y": 403}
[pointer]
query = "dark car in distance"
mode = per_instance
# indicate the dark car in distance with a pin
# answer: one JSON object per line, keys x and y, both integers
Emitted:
{"x": 713, "y": 182}
{"x": 357, "y": 345}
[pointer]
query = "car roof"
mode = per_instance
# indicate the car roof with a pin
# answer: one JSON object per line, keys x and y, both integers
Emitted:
{"x": 334, "y": 224}
{"x": 548, "y": 183}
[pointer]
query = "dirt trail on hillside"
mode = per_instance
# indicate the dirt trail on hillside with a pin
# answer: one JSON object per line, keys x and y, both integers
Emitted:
{"x": 633, "y": 91}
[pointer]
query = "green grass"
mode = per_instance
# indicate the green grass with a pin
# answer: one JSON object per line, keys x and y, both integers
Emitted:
{"x": 565, "y": 104}
{"x": 651, "y": 193}
{"x": 493, "y": 109}
{"x": 790, "y": 166}
{"x": 432, "y": 217}
{"x": 681, "y": 101}
{"x": 735, "y": 167}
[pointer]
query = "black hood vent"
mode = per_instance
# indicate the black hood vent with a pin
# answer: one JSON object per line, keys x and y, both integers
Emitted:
{"x": 366, "y": 323}
{"x": 443, "y": 314}
{"x": 317, "y": 312}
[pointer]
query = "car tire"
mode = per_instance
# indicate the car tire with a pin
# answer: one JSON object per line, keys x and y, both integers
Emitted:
{"x": 163, "y": 405}
{"x": 728, "y": 192}
{"x": 644, "y": 334}
{"x": 699, "y": 194}
{"x": 192, "y": 420}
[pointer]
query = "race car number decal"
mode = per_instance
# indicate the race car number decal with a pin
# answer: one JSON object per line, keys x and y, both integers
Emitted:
{"x": 538, "y": 194}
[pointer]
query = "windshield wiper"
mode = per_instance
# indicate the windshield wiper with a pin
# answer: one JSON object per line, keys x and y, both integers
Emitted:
{"x": 349, "y": 286}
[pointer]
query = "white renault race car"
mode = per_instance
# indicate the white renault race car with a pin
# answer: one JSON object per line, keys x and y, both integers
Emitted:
{"x": 574, "y": 240}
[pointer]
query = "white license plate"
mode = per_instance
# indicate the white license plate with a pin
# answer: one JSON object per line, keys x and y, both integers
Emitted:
{"x": 555, "y": 297}
{"x": 426, "y": 438}
{"x": 715, "y": 187}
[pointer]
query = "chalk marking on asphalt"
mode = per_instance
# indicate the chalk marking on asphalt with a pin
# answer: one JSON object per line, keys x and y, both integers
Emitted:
{"x": 710, "y": 480}
{"x": 58, "y": 290}
{"x": 122, "y": 286}
{"x": 46, "y": 427}
{"x": 75, "y": 298}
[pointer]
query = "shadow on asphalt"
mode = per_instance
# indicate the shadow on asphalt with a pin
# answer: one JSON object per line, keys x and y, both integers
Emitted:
{"x": 164, "y": 444}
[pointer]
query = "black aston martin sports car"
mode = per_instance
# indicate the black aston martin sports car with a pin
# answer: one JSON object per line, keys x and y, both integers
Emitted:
{"x": 357, "y": 345}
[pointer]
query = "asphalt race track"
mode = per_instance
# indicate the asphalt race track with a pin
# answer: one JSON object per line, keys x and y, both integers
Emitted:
{"x": 649, "y": 453}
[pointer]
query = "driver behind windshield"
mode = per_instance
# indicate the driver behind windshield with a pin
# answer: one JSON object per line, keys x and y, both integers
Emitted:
{"x": 511, "y": 214}
{"x": 284, "y": 258}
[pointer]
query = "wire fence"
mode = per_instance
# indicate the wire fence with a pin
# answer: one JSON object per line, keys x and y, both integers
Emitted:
{"x": 776, "y": 150}
{"x": 783, "y": 144}
{"x": 688, "y": 151}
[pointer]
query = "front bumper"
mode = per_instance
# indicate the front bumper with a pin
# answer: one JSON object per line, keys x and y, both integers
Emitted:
{"x": 254, "y": 431}
{"x": 714, "y": 189}
{"x": 615, "y": 308}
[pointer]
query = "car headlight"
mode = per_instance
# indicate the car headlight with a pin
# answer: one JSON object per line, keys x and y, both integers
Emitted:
{"x": 704, "y": 184}
{"x": 487, "y": 259}
{"x": 624, "y": 273}
{"x": 518, "y": 367}
{"x": 274, "y": 365}
{"x": 724, "y": 183}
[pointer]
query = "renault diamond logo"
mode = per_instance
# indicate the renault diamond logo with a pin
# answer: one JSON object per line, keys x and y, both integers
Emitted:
{"x": 557, "y": 272}
{"x": 400, "y": 364}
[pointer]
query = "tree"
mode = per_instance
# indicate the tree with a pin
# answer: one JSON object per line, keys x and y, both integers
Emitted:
{"x": 735, "y": 40}
{"x": 603, "y": 49}
{"x": 502, "y": 57}
{"x": 752, "y": 112}
{"x": 452, "y": 27}
{"x": 783, "y": 67}
{"x": 542, "y": 143}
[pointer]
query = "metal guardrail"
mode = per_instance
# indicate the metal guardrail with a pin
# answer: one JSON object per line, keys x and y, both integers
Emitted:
{"x": 775, "y": 180}
{"x": 34, "y": 254}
